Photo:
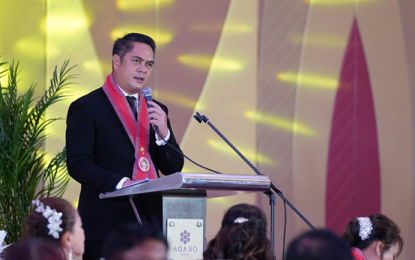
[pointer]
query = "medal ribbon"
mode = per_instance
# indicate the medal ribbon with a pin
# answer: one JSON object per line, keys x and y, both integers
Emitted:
{"x": 138, "y": 130}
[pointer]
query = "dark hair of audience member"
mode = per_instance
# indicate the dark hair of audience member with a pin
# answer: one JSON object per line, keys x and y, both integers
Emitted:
{"x": 34, "y": 249}
{"x": 125, "y": 44}
{"x": 318, "y": 245}
{"x": 36, "y": 224}
{"x": 128, "y": 236}
{"x": 383, "y": 229}
{"x": 241, "y": 241}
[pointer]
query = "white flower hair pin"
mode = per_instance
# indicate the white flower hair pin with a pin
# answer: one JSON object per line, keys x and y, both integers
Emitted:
{"x": 240, "y": 220}
{"x": 365, "y": 227}
{"x": 54, "y": 218}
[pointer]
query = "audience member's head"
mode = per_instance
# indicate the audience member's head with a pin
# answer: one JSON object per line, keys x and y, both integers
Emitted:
{"x": 135, "y": 242}
{"x": 376, "y": 236}
{"x": 56, "y": 220}
{"x": 34, "y": 249}
{"x": 318, "y": 245}
{"x": 242, "y": 236}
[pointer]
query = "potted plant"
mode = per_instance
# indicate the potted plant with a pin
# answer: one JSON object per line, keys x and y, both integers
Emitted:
{"x": 25, "y": 174}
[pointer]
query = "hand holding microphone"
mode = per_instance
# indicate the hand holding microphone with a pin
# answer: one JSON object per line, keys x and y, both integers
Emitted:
{"x": 156, "y": 115}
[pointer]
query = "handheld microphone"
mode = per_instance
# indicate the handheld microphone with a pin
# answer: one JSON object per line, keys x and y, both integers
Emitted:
{"x": 147, "y": 93}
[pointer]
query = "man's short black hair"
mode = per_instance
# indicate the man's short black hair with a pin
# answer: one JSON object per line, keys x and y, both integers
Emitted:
{"x": 318, "y": 245}
{"x": 125, "y": 44}
{"x": 127, "y": 236}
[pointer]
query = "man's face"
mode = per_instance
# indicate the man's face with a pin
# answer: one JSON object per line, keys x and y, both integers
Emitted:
{"x": 135, "y": 69}
{"x": 151, "y": 249}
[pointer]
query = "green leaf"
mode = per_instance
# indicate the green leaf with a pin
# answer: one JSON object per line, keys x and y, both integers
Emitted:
{"x": 24, "y": 173}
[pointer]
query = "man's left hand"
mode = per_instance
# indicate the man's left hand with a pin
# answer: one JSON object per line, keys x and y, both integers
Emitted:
{"x": 157, "y": 117}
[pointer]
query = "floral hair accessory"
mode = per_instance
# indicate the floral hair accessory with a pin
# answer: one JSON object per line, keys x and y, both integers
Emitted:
{"x": 365, "y": 227}
{"x": 54, "y": 218}
{"x": 240, "y": 220}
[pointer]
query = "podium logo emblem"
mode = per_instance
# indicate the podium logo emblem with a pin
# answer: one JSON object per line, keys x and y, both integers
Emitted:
{"x": 185, "y": 237}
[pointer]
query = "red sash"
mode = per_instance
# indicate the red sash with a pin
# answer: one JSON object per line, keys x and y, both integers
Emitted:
{"x": 138, "y": 130}
{"x": 358, "y": 254}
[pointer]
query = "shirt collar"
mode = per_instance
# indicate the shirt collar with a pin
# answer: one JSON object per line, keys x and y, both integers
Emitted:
{"x": 126, "y": 94}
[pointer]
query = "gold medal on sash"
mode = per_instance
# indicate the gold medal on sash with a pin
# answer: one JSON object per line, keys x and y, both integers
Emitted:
{"x": 144, "y": 164}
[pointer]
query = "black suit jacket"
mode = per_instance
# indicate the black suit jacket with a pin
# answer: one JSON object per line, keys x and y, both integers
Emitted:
{"x": 100, "y": 154}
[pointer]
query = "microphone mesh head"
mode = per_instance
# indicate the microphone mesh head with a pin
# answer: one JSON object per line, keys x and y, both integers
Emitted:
{"x": 146, "y": 91}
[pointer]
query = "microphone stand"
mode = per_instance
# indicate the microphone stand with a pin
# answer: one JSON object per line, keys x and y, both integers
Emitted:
{"x": 272, "y": 204}
{"x": 203, "y": 118}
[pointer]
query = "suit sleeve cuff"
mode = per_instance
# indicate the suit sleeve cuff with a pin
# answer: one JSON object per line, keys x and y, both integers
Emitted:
{"x": 162, "y": 142}
{"x": 122, "y": 181}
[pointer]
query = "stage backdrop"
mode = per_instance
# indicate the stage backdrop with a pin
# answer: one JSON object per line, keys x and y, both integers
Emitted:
{"x": 318, "y": 94}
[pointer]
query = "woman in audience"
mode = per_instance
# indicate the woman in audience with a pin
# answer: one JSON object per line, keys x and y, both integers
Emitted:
{"x": 242, "y": 236}
{"x": 373, "y": 238}
{"x": 34, "y": 249}
{"x": 56, "y": 220}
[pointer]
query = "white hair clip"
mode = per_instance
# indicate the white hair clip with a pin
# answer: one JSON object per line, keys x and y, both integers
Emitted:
{"x": 240, "y": 220}
{"x": 365, "y": 227}
{"x": 54, "y": 218}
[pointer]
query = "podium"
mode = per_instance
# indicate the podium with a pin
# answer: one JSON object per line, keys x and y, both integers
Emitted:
{"x": 177, "y": 203}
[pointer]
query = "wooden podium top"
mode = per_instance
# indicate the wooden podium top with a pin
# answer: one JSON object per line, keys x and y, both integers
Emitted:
{"x": 196, "y": 181}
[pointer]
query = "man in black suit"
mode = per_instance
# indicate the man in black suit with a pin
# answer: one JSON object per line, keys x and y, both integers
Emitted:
{"x": 111, "y": 142}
